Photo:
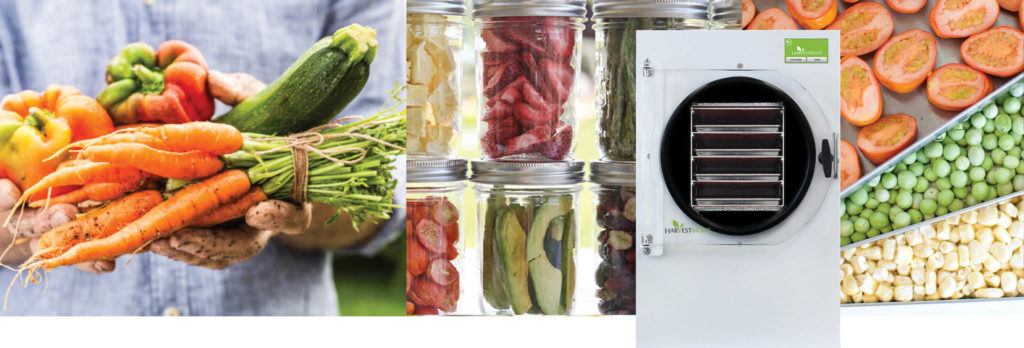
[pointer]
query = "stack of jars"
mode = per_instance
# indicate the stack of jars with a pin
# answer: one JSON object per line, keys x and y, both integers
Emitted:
{"x": 613, "y": 176}
{"x": 527, "y": 184}
{"x": 435, "y": 176}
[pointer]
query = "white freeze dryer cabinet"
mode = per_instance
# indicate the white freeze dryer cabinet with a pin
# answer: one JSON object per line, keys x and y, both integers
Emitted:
{"x": 738, "y": 188}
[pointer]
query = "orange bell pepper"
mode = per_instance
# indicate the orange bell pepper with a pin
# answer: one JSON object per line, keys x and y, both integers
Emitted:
{"x": 84, "y": 115}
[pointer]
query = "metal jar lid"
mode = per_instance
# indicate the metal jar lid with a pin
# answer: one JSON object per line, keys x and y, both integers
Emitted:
{"x": 442, "y": 7}
{"x": 508, "y": 8}
{"x": 613, "y": 173}
{"x": 697, "y": 9}
{"x": 726, "y": 10}
{"x": 443, "y": 170}
{"x": 528, "y": 173}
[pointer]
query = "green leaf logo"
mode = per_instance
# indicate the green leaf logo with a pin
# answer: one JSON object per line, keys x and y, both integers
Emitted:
{"x": 675, "y": 224}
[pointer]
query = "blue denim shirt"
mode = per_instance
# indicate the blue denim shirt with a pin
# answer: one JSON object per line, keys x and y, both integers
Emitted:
{"x": 70, "y": 42}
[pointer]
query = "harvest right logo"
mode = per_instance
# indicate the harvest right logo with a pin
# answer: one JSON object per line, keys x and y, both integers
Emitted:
{"x": 806, "y": 51}
{"x": 681, "y": 229}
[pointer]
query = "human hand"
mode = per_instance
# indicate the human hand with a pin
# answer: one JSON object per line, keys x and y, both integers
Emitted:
{"x": 219, "y": 248}
{"x": 233, "y": 88}
{"x": 30, "y": 224}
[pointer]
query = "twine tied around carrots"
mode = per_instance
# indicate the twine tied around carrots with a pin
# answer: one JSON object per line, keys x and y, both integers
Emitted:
{"x": 301, "y": 144}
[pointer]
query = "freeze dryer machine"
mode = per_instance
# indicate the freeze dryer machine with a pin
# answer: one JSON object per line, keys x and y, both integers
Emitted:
{"x": 738, "y": 188}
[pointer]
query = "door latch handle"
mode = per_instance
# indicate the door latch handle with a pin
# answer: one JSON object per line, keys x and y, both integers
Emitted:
{"x": 646, "y": 242}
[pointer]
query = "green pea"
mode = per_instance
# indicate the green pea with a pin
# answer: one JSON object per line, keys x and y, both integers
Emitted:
{"x": 915, "y": 216}
{"x": 1003, "y": 123}
{"x": 918, "y": 197}
{"x": 861, "y": 225}
{"x": 975, "y": 154}
{"x": 942, "y": 211}
{"x": 1014, "y": 152}
{"x": 866, "y": 213}
{"x": 1020, "y": 168}
{"x": 878, "y": 220}
{"x": 978, "y": 121}
{"x": 1017, "y": 90}
{"x": 989, "y": 141}
{"x": 894, "y": 211}
{"x": 873, "y": 233}
{"x": 921, "y": 157}
{"x": 1018, "y": 125}
{"x": 957, "y": 178}
{"x": 917, "y": 168}
{"x": 943, "y": 184}
{"x": 859, "y": 197}
{"x": 950, "y": 152}
{"x": 987, "y": 163}
{"x": 928, "y": 206}
{"x": 941, "y": 167}
{"x": 973, "y": 136}
{"x": 1011, "y": 106}
{"x": 997, "y": 156}
{"x": 854, "y": 209}
{"x": 933, "y": 150}
{"x": 1011, "y": 161}
{"x": 844, "y": 240}
{"x": 990, "y": 111}
{"x": 904, "y": 200}
{"x": 871, "y": 203}
{"x": 859, "y": 236}
{"x": 976, "y": 174}
{"x": 962, "y": 163}
{"x": 885, "y": 229}
{"x": 956, "y": 134}
{"x": 906, "y": 180}
{"x": 888, "y": 180}
{"x": 1002, "y": 175}
{"x": 884, "y": 208}
{"x": 931, "y": 192}
{"x": 900, "y": 167}
{"x": 873, "y": 181}
{"x": 909, "y": 160}
{"x": 922, "y": 185}
{"x": 979, "y": 191}
{"x": 1004, "y": 188}
{"x": 970, "y": 201}
{"x": 991, "y": 194}
{"x": 881, "y": 194}
{"x": 901, "y": 220}
{"x": 929, "y": 174}
{"x": 1018, "y": 182}
{"x": 956, "y": 205}
{"x": 1006, "y": 142}
{"x": 944, "y": 197}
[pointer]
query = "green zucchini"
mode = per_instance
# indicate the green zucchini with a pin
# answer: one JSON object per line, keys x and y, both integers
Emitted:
{"x": 314, "y": 89}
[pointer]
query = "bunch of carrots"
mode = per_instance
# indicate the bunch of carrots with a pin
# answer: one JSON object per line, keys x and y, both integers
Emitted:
{"x": 227, "y": 172}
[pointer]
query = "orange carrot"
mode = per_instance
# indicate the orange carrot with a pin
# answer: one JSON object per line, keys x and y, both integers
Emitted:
{"x": 167, "y": 217}
{"x": 174, "y": 165}
{"x": 99, "y": 192}
{"x": 82, "y": 173}
{"x": 98, "y": 224}
{"x": 215, "y": 138}
{"x": 230, "y": 211}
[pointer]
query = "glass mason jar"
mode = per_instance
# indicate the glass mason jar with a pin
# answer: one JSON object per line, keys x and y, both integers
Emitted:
{"x": 434, "y": 243}
{"x": 615, "y": 26}
{"x": 433, "y": 103}
{"x": 528, "y": 56}
{"x": 615, "y": 201}
{"x": 725, "y": 14}
{"x": 526, "y": 234}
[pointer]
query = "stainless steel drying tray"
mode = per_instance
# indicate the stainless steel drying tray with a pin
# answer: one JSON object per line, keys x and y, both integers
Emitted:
{"x": 927, "y": 302}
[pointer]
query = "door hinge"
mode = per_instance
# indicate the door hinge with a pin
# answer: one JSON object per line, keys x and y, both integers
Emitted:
{"x": 646, "y": 242}
{"x": 648, "y": 68}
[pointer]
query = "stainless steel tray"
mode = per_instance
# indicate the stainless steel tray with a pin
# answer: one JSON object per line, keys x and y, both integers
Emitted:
{"x": 926, "y": 302}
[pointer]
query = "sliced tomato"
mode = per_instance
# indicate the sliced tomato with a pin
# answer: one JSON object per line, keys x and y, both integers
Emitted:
{"x": 442, "y": 272}
{"x": 998, "y": 51}
{"x": 749, "y": 10}
{"x": 1010, "y": 5}
{"x": 887, "y": 137}
{"x": 863, "y": 28}
{"x": 903, "y": 62}
{"x": 431, "y": 235}
{"x": 906, "y": 6}
{"x": 955, "y": 86}
{"x": 772, "y": 19}
{"x": 851, "y": 1}
{"x": 849, "y": 164}
{"x": 861, "y": 98}
{"x": 962, "y": 18}
{"x": 812, "y": 14}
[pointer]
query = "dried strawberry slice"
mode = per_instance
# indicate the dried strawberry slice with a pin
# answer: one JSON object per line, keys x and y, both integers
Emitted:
{"x": 430, "y": 235}
{"x": 561, "y": 37}
{"x": 411, "y": 296}
{"x": 502, "y": 131}
{"x": 528, "y": 141}
{"x": 431, "y": 294}
{"x": 530, "y": 117}
{"x": 452, "y": 290}
{"x": 425, "y": 311}
{"x": 498, "y": 58}
{"x": 524, "y": 35}
{"x": 410, "y": 308}
{"x": 416, "y": 257}
{"x": 453, "y": 252}
{"x": 496, "y": 43}
{"x": 445, "y": 212}
{"x": 559, "y": 145}
{"x": 560, "y": 77}
{"x": 494, "y": 80}
{"x": 498, "y": 112}
{"x": 490, "y": 147}
{"x": 533, "y": 97}
{"x": 442, "y": 272}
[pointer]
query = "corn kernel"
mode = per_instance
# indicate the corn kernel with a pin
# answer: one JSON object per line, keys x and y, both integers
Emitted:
{"x": 977, "y": 252}
{"x": 1001, "y": 235}
{"x": 989, "y": 293}
{"x": 903, "y": 293}
{"x": 849, "y": 286}
{"x": 951, "y": 261}
{"x": 975, "y": 280}
{"x": 884, "y": 293}
{"x": 991, "y": 279}
{"x": 988, "y": 215}
{"x": 1001, "y": 252}
{"x": 1008, "y": 281}
{"x": 868, "y": 286}
{"x": 946, "y": 287}
{"x": 860, "y": 264}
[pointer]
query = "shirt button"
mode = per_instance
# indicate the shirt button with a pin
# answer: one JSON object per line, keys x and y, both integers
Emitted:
{"x": 172, "y": 312}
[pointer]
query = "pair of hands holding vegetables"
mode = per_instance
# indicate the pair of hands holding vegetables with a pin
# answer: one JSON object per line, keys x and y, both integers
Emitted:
{"x": 214, "y": 248}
